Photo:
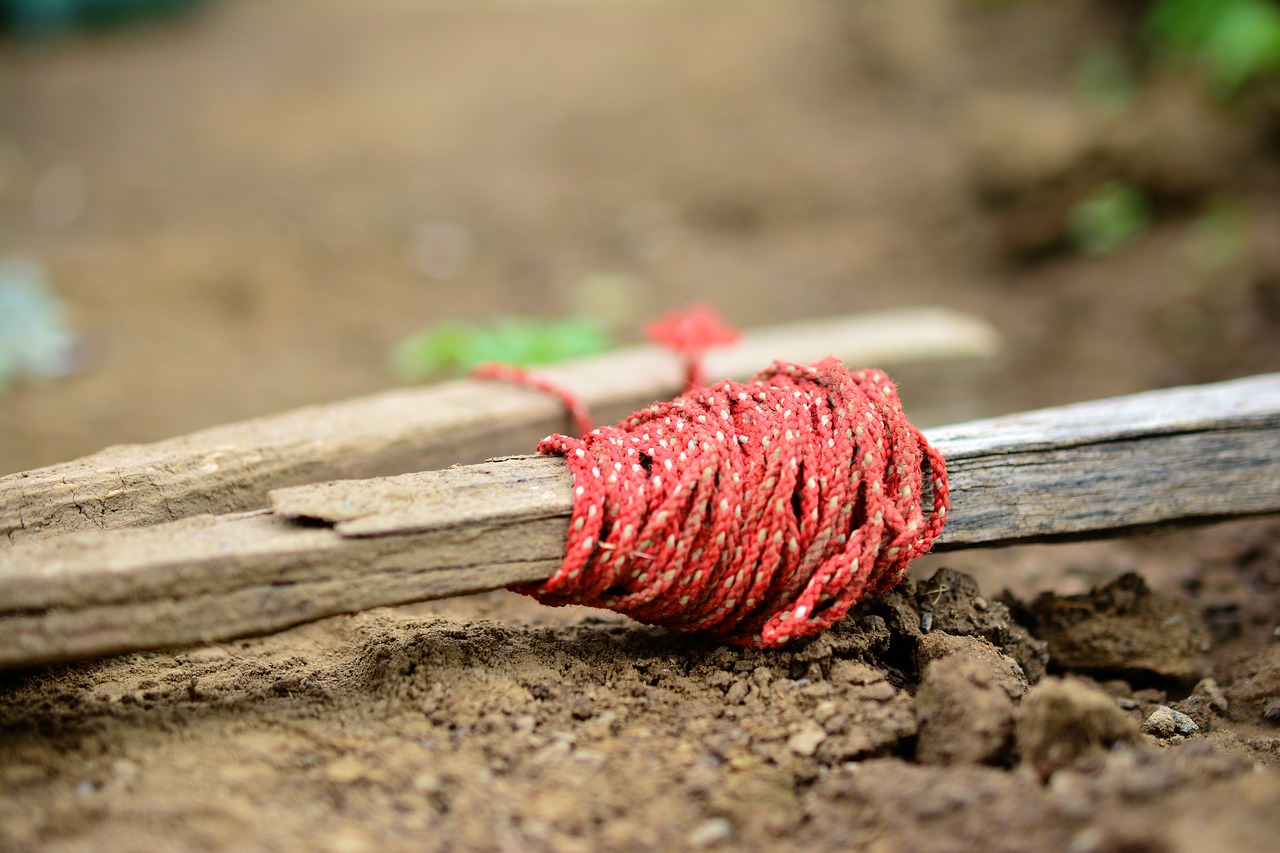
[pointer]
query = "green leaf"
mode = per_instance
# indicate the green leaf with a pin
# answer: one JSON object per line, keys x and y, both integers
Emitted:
{"x": 1244, "y": 42}
{"x": 1232, "y": 41}
{"x": 458, "y": 347}
{"x": 432, "y": 351}
{"x": 1113, "y": 216}
{"x": 1183, "y": 25}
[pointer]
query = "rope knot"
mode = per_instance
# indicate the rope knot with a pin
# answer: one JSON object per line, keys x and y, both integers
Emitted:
{"x": 690, "y": 332}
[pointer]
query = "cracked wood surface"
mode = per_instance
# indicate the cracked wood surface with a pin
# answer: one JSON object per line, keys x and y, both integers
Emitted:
{"x": 233, "y": 467}
{"x": 1087, "y": 470}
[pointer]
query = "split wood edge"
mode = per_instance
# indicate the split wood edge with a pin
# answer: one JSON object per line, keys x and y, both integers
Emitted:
{"x": 1088, "y": 470}
{"x": 233, "y": 467}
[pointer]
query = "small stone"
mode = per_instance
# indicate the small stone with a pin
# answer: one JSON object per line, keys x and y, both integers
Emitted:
{"x": 806, "y": 741}
{"x": 1167, "y": 723}
{"x": 710, "y": 833}
{"x": 1271, "y": 711}
{"x": 825, "y": 710}
{"x": 736, "y": 693}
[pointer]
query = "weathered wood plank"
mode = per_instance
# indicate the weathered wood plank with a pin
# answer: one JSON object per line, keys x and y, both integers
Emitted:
{"x": 212, "y": 578}
{"x": 1112, "y": 465}
{"x": 232, "y": 468}
{"x": 1088, "y": 470}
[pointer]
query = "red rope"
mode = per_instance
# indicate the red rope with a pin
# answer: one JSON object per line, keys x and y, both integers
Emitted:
{"x": 526, "y": 378}
{"x": 756, "y": 512}
{"x": 690, "y": 333}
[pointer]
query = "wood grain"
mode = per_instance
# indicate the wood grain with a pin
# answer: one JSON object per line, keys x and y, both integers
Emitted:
{"x": 1094, "y": 469}
{"x": 1109, "y": 466}
{"x": 232, "y": 468}
{"x": 212, "y": 578}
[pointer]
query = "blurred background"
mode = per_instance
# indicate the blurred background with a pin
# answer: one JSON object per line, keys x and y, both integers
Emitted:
{"x": 215, "y": 210}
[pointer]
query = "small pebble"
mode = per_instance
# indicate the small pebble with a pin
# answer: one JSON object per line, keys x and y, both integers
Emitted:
{"x": 806, "y": 741}
{"x": 1167, "y": 723}
{"x": 825, "y": 711}
{"x": 1271, "y": 712}
{"x": 711, "y": 832}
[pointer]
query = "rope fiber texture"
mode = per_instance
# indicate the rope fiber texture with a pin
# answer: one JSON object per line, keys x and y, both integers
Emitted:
{"x": 754, "y": 512}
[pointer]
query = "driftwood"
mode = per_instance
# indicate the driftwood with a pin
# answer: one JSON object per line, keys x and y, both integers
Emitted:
{"x": 233, "y": 467}
{"x": 1093, "y": 469}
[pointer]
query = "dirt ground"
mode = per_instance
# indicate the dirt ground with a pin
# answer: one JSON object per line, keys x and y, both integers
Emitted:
{"x": 265, "y": 190}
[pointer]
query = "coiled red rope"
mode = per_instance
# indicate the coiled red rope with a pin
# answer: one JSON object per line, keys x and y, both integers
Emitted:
{"x": 755, "y": 512}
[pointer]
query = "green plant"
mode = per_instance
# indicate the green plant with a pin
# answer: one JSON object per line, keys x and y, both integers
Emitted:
{"x": 1230, "y": 41}
{"x": 1111, "y": 217}
{"x": 458, "y": 347}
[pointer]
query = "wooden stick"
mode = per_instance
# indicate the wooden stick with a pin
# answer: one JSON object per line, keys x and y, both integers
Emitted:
{"x": 1088, "y": 470}
{"x": 233, "y": 467}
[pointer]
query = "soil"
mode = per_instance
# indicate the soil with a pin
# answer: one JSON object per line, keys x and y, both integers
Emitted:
{"x": 277, "y": 193}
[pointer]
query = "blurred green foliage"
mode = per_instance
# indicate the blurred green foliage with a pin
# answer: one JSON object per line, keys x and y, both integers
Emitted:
{"x": 35, "y": 341}
{"x": 458, "y": 347}
{"x": 1111, "y": 217}
{"x": 1105, "y": 79}
{"x": 33, "y": 18}
{"x": 1231, "y": 41}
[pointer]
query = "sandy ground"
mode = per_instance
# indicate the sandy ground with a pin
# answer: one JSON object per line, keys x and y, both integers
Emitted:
{"x": 259, "y": 180}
